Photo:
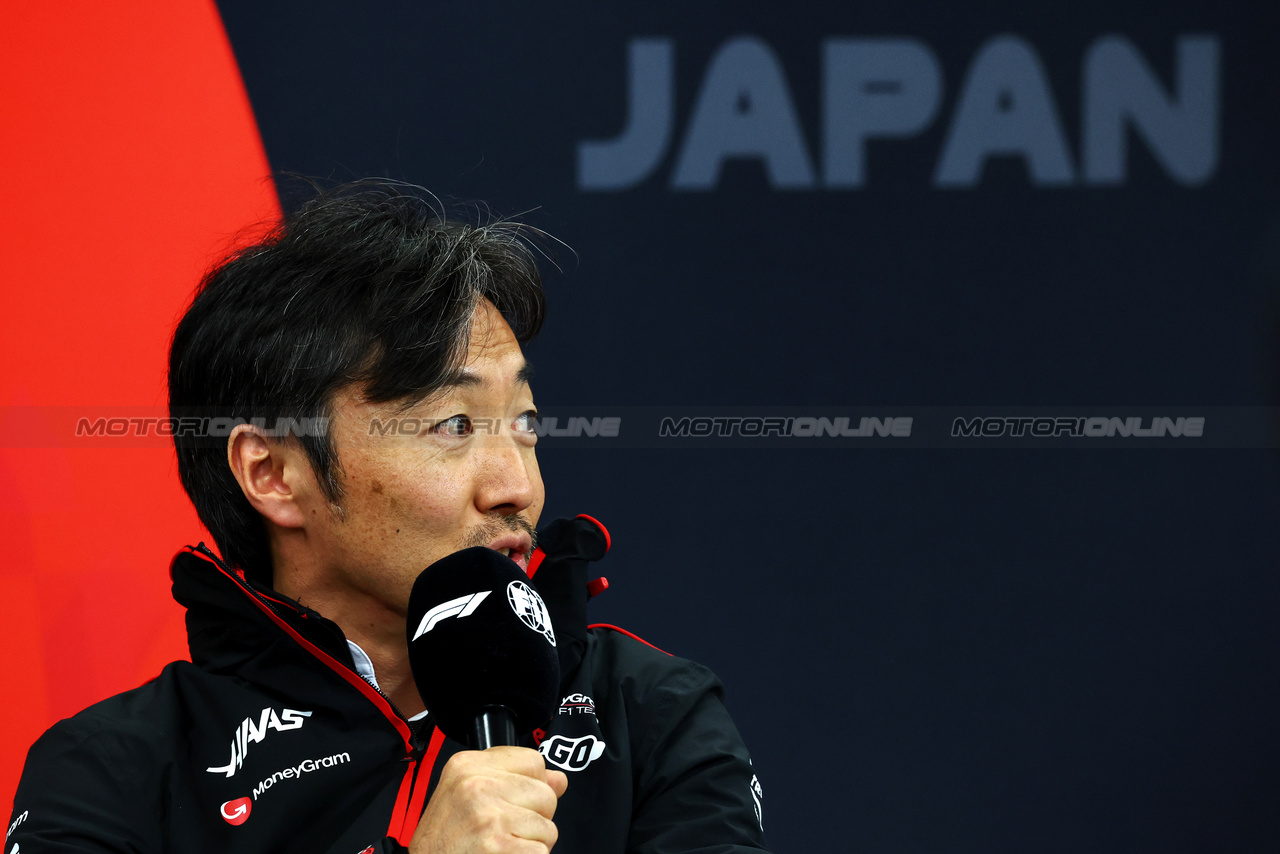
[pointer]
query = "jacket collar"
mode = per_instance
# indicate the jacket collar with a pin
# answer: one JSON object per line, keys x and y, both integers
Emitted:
{"x": 227, "y": 619}
{"x": 228, "y": 624}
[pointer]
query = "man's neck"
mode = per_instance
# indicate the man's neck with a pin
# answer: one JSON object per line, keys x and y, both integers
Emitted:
{"x": 375, "y": 629}
{"x": 393, "y": 676}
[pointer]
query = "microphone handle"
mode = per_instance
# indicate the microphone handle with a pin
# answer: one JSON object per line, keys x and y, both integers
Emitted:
{"x": 495, "y": 726}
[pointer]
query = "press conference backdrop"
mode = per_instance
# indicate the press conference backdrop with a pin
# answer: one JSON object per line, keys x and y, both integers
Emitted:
{"x": 918, "y": 356}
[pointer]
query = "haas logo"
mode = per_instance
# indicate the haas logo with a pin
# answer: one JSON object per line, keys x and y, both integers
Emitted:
{"x": 237, "y": 812}
{"x": 572, "y": 754}
{"x": 250, "y": 733}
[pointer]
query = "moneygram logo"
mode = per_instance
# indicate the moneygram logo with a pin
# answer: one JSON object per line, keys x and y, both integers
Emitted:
{"x": 237, "y": 812}
{"x": 17, "y": 821}
{"x": 305, "y": 767}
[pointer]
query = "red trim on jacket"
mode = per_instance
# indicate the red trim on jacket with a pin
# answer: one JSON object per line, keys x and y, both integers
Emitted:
{"x": 356, "y": 680}
{"x": 608, "y": 540}
{"x": 402, "y": 803}
{"x": 413, "y": 808}
{"x": 535, "y": 561}
{"x": 628, "y": 634}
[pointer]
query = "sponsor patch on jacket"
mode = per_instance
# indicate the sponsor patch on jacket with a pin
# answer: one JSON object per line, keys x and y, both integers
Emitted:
{"x": 251, "y": 732}
{"x": 757, "y": 797}
{"x": 577, "y": 704}
{"x": 236, "y": 812}
{"x": 296, "y": 771}
{"x": 17, "y": 821}
{"x": 571, "y": 754}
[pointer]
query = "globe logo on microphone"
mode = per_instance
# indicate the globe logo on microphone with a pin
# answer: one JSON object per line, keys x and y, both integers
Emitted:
{"x": 531, "y": 610}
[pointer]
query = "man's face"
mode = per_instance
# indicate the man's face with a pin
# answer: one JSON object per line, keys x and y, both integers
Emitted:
{"x": 467, "y": 476}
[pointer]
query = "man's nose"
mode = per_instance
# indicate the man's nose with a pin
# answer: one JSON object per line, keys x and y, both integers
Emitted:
{"x": 507, "y": 482}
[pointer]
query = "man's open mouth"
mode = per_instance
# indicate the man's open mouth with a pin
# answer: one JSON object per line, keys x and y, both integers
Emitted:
{"x": 519, "y": 554}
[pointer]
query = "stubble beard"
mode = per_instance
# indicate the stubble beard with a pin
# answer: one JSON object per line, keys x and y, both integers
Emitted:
{"x": 496, "y": 525}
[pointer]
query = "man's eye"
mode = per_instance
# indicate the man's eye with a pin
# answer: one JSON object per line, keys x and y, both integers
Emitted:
{"x": 525, "y": 422}
{"x": 458, "y": 425}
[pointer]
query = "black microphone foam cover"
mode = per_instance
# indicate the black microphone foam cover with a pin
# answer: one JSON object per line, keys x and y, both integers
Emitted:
{"x": 479, "y": 635}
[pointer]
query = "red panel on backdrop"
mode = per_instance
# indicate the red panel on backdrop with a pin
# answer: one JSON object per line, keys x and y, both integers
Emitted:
{"x": 133, "y": 161}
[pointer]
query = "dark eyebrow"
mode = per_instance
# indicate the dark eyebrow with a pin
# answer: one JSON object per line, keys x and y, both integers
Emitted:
{"x": 462, "y": 378}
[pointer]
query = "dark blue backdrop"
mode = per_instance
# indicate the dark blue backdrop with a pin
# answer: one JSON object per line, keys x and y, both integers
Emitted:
{"x": 887, "y": 206}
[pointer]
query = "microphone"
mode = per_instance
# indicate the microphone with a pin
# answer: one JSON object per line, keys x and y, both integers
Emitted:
{"x": 482, "y": 649}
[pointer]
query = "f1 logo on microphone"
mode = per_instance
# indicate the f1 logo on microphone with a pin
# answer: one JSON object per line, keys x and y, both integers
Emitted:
{"x": 462, "y": 607}
{"x": 237, "y": 812}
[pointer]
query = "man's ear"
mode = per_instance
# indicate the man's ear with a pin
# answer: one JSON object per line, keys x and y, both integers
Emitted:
{"x": 272, "y": 475}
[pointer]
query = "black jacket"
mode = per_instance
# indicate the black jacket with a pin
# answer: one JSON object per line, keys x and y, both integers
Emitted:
{"x": 270, "y": 741}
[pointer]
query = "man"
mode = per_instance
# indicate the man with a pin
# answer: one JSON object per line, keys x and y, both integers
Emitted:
{"x": 298, "y": 725}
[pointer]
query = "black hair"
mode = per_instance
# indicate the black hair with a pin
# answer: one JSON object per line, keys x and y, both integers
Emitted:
{"x": 367, "y": 284}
